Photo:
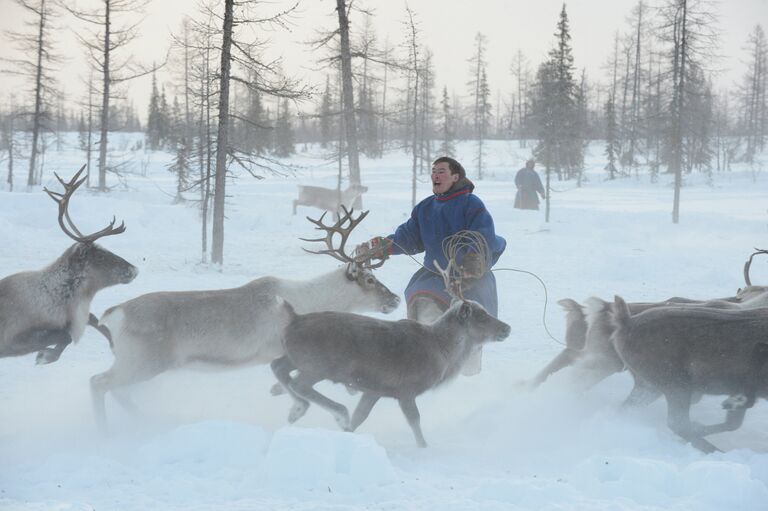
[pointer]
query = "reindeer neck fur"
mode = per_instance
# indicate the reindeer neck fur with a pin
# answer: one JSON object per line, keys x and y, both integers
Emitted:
{"x": 323, "y": 293}
{"x": 64, "y": 277}
{"x": 452, "y": 343}
{"x": 65, "y": 285}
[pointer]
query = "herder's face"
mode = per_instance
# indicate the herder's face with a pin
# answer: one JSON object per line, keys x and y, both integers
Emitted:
{"x": 442, "y": 179}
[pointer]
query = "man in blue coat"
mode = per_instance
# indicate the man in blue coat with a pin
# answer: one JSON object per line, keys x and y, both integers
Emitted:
{"x": 451, "y": 209}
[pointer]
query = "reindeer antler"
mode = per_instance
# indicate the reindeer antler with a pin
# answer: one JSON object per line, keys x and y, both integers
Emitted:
{"x": 451, "y": 279}
{"x": 71, "y": 230}
{"x": 749, "y": 263}
{"x": 343, "y": 231}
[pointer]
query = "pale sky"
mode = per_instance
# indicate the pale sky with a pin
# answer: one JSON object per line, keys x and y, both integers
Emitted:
{"x": 448, "y": 29}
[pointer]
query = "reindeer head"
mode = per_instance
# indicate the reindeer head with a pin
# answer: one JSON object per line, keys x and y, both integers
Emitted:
{"x": 369, "y": 291}
{"x": 87, "y": 261}
{"x": 480, "y": 325}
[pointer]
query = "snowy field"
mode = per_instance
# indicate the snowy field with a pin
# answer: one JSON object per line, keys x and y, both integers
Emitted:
{"x": 220, "y": 441}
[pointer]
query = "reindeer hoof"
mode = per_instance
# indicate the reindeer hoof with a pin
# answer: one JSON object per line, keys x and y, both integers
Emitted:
{"x": 736, "y": 402}
{"x": 342, "y": 419}
{"x": 297, "y": 412}
{"x": 46, "y": 356}
{"x": 277, "y": 389}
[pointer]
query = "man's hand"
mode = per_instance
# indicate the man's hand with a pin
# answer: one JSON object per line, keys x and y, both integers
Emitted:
{"x": 375, "y": 248}
{"x": 473, "y": 266}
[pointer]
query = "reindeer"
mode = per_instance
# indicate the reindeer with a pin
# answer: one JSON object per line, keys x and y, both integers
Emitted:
{"x": 397, "y": 359}
{"x": 328, "y": 199}
{"x": 159, "y": 331}
{"x": 684, "y": 351}
{"x": 588, "y": 330}
{"x": 48, "y": 309}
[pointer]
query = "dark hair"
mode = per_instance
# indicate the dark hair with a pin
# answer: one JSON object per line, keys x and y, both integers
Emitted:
{"x": 453, "y": 165}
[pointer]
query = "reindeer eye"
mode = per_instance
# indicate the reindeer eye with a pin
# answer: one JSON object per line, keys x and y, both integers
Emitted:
{"x": 370, "y": 281}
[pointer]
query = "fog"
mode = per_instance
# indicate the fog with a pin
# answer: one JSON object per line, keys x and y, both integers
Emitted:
{"x": 217, "y": 439}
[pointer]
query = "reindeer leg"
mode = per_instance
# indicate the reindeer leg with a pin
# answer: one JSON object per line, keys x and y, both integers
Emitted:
{"x": 302, "y": 385}
{"x": 411, "y": 412}
{"x": 679, "y": 420}
{"x": 733, "y": 421}
{"x": 642, "y": 394}
{"x": 564, "y": 359}
{"x": 117, "y": 376}
{"x": 747, "y": 399}
{"x": 52, "y": 354}
{"x": 282, "y": 368}
{"x": 738, "y": 404}
{"x": 592, "y": 369}
{"x": 39, "y": 340}
{"x": 363, "y": 408}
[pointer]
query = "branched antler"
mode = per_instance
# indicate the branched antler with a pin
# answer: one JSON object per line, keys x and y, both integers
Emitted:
{"x": 70, "y": 229}
{"x": 451, "y": 279}
{"x": 749, "y": 263}
{"x": 343, "y": 231}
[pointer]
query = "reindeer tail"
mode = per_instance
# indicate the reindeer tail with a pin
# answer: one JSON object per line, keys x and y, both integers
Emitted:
{"x": 620, "y": 315}
{"x": 94, "y": 322}
{"x": 287, "y": 307}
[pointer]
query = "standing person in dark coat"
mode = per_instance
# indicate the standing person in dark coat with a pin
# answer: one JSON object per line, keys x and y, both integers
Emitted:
{"x": 528, "y": 185}
{"x": 452, "y": 208}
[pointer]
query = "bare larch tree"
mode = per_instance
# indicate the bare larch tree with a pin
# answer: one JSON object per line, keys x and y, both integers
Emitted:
{"x": 101, "y": 47}
{"x": 37, "y": 62}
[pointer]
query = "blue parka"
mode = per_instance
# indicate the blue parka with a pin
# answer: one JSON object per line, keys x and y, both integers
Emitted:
{"x": 434, "y": 219}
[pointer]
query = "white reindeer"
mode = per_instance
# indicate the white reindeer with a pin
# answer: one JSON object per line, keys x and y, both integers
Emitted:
{"x": 156, "y": 332}
{"x": 328, "y": 199}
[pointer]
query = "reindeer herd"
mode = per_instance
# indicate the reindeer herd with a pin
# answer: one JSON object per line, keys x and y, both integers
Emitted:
{"x": 308, "y": 331}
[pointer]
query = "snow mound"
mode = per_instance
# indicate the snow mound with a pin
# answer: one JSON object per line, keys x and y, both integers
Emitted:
{"x": 319, "y": 459}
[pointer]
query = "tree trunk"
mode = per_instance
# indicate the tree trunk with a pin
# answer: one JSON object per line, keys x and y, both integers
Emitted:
{"x": 89, "y": 143}
{"x": 104, "y": 103}
{"x": 350, "y": 125}
{"x": 10, "y": 151}
{"x": 217, "y": 241}
{"x": 677, "y": 134}
{"x": 38, "y": 96}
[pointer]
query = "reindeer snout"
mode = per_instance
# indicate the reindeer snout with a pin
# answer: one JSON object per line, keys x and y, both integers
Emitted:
{"x": 391, "y": 304}
{"x": 129, "y": 274}
{"x": 504, "y": 332}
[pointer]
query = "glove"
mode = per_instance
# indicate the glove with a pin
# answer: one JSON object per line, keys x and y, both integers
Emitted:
{"x": 375, "y": 248}
{"x": 472, "y": 266}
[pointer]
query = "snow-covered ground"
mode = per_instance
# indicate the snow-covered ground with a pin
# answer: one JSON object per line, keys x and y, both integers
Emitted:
{"x": 219, "y": 440}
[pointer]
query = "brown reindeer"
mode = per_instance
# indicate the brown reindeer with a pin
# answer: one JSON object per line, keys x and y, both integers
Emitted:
{"x": 589, "y": 328}
{"x": 48, "y": 309}
{"x": 683, "y": 351}
{"x": 397, "y": 359}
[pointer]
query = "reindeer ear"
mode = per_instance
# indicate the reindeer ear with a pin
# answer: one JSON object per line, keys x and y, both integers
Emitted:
{"x": 465, "y": 311}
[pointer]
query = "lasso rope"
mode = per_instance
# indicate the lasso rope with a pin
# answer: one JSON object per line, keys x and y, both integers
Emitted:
{"x": 473, "y": 241}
